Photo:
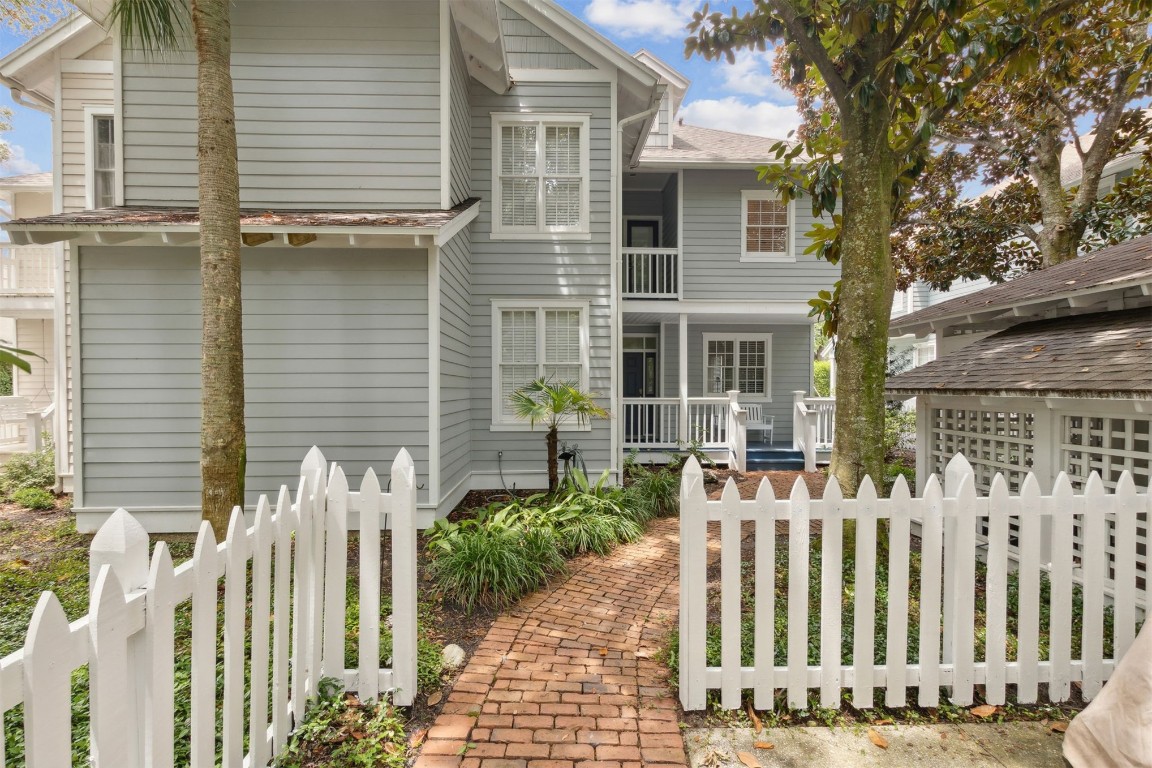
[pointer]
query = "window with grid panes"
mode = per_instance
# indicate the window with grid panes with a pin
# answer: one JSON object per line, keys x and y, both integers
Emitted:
{"x": 738, "y": 361}
{"x": 535, "y": 341}
{"x": 103, "y": 161}
{"x": 541, "y": 178}
{"x": 765, "y": 227}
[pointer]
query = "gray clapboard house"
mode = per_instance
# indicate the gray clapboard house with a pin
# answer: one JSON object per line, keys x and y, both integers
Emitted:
{"x": 443, "y": 200}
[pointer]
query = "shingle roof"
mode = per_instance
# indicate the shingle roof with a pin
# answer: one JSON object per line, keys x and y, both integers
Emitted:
{"x": 1129, "y": 263}
{"x": 27, "y": 181}
{"x": 135, "y": 216}
{"x": 1103, "y": 355}
{"x": 693, "y": 144}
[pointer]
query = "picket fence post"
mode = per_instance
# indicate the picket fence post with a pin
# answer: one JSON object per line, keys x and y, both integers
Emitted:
{"x": 403, "y": 579}
{"x": 693, "y": 549}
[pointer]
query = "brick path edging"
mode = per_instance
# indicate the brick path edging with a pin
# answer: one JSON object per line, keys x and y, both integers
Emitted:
{"x": 565, "y": 678}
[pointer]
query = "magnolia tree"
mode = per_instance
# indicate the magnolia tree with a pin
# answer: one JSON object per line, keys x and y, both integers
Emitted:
{"x": 877, "y": 80}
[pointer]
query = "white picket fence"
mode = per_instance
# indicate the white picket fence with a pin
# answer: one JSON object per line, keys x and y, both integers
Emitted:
{"x": 949, "y": 551}
{"x": 295, "y": 608}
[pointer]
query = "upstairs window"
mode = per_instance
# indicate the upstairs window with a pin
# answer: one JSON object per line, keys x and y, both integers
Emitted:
{"x": 546, "y": 339}
{"x": 766, "y": 226}
{"x": 741, "y": 361}
{"x": 100, "y": 156}
{"x": 540, "y": 179}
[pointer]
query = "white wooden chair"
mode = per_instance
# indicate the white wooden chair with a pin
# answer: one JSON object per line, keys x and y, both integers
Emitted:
{"x": 13, "y": 417}
{"x": 758, "y": 422}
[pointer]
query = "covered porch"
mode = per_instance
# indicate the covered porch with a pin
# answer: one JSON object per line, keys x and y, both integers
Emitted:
{"x": 731, "y": 380}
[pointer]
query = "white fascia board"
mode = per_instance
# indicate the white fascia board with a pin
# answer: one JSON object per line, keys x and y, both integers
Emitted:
{"x": 698, "y": 306}
{"x": 44, "y": 44}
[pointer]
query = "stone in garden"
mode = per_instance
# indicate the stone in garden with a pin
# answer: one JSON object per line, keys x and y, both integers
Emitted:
{"x": 454, "y": 656}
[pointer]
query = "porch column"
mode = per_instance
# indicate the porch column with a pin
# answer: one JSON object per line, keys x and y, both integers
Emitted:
{"x": 683, "y": 358}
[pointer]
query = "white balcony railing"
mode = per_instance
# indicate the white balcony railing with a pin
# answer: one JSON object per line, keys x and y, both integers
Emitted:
{"x": 27, "y": 269}
{"x": 813, "y": 425}
{"x": 650, "y": 273}
{"x": 654, "y": 422}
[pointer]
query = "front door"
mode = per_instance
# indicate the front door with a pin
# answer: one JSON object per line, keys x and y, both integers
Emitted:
{"x": 642, "y": 233}
{"x": 640, "y": 375}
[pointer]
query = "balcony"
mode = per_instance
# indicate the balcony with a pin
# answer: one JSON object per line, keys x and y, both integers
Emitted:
{"x": 650, "y": 273}
{"x": 27, "y": 270}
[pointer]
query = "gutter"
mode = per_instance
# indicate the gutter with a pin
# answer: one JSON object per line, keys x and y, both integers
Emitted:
{"x": 26, "y": 98}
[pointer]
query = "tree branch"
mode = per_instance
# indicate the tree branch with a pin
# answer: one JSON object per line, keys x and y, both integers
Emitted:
{"x": 814, "y": 50}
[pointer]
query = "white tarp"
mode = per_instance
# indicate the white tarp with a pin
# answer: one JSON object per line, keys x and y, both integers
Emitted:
{"x": 1115, "y": 730}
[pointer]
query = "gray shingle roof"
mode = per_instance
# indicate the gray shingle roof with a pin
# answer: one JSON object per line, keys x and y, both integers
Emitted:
{"x": 1103, "y": 355}
{"x": 693, "y": 144}
{"x": 27, "y": 181}
{"x": 1128, "y": 263}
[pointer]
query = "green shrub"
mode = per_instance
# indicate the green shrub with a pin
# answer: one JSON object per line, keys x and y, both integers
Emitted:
{"x": 34, "y": 498}
{"x": 29, "y": 470}
{"x": 651, "y": 493}
{"x": 899, "y": 429}
{"x": 822, "y": 378}
{"x": 340, "y": 730}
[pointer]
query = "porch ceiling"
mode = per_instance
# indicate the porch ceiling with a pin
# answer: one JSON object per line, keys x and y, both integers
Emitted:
{"x": 753, "y": 313}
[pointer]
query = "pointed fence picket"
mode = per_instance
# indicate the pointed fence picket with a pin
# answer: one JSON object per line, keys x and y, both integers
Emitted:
{"x": 1028, "y": 533}
{"x": 284, "y": 611}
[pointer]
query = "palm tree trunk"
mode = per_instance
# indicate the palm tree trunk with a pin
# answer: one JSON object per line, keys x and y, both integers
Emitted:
{"x": 222, "y": 444}
{"x": 553, "y": 439}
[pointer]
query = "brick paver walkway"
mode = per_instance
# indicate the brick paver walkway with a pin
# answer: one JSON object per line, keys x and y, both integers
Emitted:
{"x": 566, "y": 680}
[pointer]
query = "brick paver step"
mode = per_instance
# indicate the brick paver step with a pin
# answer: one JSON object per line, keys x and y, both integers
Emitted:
{"x": 565, "y": 679}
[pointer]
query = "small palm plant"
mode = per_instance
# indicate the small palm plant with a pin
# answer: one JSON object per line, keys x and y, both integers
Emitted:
{"x": 552, "y": 403}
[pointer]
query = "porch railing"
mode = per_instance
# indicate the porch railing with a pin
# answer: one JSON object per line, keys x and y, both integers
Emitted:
{"x": 813, "y": 425}
{"x": 654, "y": 422}
{"x": 650, "y": 273}
{"x": 27, "y": 269}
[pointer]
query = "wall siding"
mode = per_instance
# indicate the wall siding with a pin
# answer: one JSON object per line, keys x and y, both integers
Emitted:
{"x": 460, "y": 125}
{"x": 540, "y": 269}
{"x": 337, "y": 105}
{"x": 530, "y": 47}
{"x": 711, "y": 238}
{"x": 335, "y": 355}
{"x": 455, "y": 362}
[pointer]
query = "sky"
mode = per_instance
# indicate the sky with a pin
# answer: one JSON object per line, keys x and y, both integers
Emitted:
{"x": 741, "y": 97}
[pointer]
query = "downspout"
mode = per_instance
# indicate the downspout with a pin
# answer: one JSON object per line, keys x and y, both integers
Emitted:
{"x": 614, "y": 279}
{"x": 26, "y": 99}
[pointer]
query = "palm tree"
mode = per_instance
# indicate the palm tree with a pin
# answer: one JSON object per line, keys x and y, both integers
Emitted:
{"x": 554, "y": 403}
{"x": 159, "y": 25}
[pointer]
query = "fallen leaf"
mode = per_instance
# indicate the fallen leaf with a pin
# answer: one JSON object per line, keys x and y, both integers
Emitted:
{"x": 764, "y": 745}
{"x": 984, "y": 710}
{"x": 603, "y": 651}
{"x": 877, "y": 739}
{"x": 748, "y": 759}
{"x": 358, "y": 735}
{"x": 1059, "y": 727}
{"x": 434, "y": 698}
{"x": 885, "y": 721}
{"x": 755, "y": 720}
{"x": 417, "y": 738}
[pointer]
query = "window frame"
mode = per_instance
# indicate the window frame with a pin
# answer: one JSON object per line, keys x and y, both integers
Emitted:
{"x": 500, "y": 422}
{"x": 736, "y": 338}
{"x": 91, "y": 112}
{"x": 542, "y": 120}
{"x": 789, "y": 253}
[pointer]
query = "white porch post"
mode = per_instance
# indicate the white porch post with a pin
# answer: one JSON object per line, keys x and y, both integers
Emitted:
{"x": 683, "y": 359}
{"x": 923, "y": 442}
{"x": 797, "y": 423}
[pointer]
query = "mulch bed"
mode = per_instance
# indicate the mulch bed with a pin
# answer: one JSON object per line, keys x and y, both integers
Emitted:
{"x": 748, "y": 483}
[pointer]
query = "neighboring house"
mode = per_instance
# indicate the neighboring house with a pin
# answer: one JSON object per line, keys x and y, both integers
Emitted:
{"x": 442, "y": 202}
{"x": 920, "y": 295}
{"x": 27, "y": 304}
{"x": 1047, "y": 373}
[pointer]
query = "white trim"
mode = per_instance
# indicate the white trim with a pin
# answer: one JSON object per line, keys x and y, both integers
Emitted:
{"x": 736, "y": 338}
{"x": 657, "y": 350}
{"x": 58, "y": 141}
{"x": 661, "y": 357}
{"x": 434, "y": 353}
{"x": 47, "y": 42}
{"x": 541, "y": 237}
{"x": 523, "y": 75}
{"x": 445, "y": 107}
{"x": 672, "y": 164}
{"x": 679, "y": 225}
{"x": 789, "y": 252}
{"x": 541, "y": 305}
{"x": 450, "y": 230}
{"x": 624, "y": 229}
{"x": 541, "y": 230}
{"x": 616, "y": 324}
{"x": 78, "y": 390}
{"x": 92, "y": 111}
{"x": 118, "y": 115}
{"x": 795, "y": 308}
{"x": 86, "y": 67}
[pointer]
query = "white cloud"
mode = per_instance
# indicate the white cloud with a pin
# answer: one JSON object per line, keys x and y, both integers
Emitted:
{"x": 18, "y": 162}
{"x": 762, "y": 118}
{"x": 752, "y": 74}
{"x": 661, "y": 19}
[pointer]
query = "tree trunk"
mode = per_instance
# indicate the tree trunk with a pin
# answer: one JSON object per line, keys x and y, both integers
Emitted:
{"x": 1060, "y": 235}
{"x": 222, "y": 444}
{"x": 553, "y": 440}
{"x": 867, "y": 285}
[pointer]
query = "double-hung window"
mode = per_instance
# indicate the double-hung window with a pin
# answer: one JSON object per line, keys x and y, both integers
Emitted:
{"x": 766, "y": 226}
{"x": 741, "y": 361}
{"x": 534, "y": 339}
{"x": 100, "y": 156}
{"x": 540, "y": 176}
